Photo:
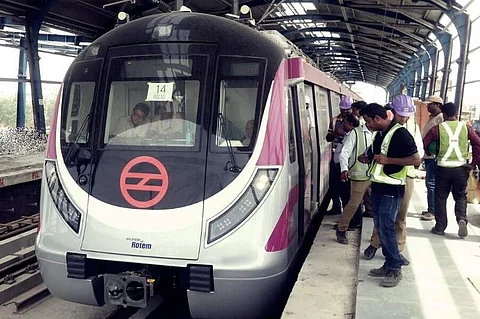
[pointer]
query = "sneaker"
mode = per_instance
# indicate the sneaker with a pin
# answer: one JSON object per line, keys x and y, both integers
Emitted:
{"x": 342, "y": 237}
{"x": 392, "y": 278}
{"x": 427, "y": 216}
{"x": 369, "y": 253}
{"x": 379, "y": 272}
{"x": 405, "y": 261}
{"x": 462, "y": 229}
{"x": 437, "y": 232}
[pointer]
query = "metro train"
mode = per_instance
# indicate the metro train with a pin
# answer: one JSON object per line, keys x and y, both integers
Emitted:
{"x": 183, "y": 157}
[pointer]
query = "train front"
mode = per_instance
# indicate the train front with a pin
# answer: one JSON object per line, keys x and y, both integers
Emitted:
{"x": 158, "y": 173}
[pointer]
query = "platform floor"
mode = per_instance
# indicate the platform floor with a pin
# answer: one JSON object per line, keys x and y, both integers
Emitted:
{"x": 442, "y": 280}
{"x": 20, "y": 169}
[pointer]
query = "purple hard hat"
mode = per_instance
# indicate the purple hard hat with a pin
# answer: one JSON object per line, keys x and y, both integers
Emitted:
{"x": 403, "y": 105}
{"x": 346, "y": 103}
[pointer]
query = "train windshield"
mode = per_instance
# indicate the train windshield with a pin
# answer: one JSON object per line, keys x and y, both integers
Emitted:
{"x": 240, "y": 83}
{"x": 154, "y": 101}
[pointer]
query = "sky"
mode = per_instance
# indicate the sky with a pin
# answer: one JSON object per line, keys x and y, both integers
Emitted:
{"x": 370, "y": 93}
{"x": 52, "y": 67}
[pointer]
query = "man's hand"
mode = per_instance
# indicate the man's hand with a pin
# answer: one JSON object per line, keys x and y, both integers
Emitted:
{"x": 381, "y": 159}
{"x": 363, "y": 159}
{"x": 339, "y": 132}
{"x": 344, "y": 176}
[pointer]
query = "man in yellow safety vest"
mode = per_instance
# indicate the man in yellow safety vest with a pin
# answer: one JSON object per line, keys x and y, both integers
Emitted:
{"x": 452, "y": 170}
{"x": 392, "y": 151}
{"x": 403, "y": 109}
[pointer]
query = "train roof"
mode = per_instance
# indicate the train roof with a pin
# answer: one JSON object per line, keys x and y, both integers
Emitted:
{"x": 233, "y": 39}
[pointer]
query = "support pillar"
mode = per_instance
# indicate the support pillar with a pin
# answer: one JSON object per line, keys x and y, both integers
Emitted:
{"x": 433, "y": 52}
{"x": 33, "y": 21}
{"x": 22, "y": 77}
{"x": 464, "y": 25}
{"x": 446, "y": 41}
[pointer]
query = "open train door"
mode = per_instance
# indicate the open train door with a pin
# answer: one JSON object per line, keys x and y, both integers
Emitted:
{"x": 304, "y": 155}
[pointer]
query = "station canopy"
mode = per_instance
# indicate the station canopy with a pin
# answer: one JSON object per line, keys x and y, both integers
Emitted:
{"x": 354, "y": 40}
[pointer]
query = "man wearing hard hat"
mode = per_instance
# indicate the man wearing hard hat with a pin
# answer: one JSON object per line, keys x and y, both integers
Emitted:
{"x": 335, "y": 134}
{"x": 403, "y": 109}
{"x": 392, "y": 151}
{"x": 452, "y": 139}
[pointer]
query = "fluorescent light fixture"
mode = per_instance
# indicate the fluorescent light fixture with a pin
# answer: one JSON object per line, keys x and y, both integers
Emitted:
{"x": 299, "y": 8}
{"x": 309, "y": 6}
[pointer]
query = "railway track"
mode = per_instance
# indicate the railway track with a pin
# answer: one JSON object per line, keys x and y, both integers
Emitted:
{"x": 18, "y": 226}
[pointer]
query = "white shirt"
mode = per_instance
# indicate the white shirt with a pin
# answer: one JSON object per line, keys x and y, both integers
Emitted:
{"x": 349, "y": 142}
{"x": 414, "y": 130}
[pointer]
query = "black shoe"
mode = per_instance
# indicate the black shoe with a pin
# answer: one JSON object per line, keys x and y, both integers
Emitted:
{"x": 436, "y": 231}
{"x": 333, "y": 212}
{"x": 379, "y": 272}
{"x": 462, "y": 229}
{"x": 369, "y": 253}
{"x": 405, "y": 261}
{"x": 342, "y": 237}
{"x": 350, "y": 228}
{"x": 392, "y": 278}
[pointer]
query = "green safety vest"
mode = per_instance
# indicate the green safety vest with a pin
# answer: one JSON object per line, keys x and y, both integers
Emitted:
{"x": 358, "y": 170}
{"x": 376, "y": 172}
{"x": 453, "y": 150}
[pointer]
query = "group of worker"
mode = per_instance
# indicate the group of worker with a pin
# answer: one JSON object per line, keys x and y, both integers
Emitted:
{"x": 375, "y": 152}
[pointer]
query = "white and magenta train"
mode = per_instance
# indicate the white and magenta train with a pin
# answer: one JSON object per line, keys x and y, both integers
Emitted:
{"x": 186, "y": 152}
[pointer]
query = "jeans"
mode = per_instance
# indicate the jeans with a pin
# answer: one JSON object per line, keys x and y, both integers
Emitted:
{"x": 385, "y": 210}
{"x": 430, "y": 166}
{"x": 452, "y": 179}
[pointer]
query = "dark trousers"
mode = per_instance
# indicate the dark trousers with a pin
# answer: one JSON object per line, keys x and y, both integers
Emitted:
{"x": 334, "y": 186}
{"x": 430, "y": 167}
{"x": 452, "y": 179}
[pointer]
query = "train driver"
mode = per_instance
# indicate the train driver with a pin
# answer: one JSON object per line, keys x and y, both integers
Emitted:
{"x": 137, "y": 125}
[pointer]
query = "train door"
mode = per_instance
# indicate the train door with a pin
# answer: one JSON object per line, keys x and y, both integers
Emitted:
{"x": 304, "y": 150}
{"x": 310, "y": 109}
{"x": 322, "y": 117}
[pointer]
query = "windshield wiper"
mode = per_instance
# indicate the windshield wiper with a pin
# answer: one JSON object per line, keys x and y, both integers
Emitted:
{"x": 74, "y": 147}
{"x": 234, "y": 168}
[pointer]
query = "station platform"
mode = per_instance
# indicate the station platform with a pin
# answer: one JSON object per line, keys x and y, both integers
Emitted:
{"x": 20, "y": 169}
{"x": 442, "y": 280}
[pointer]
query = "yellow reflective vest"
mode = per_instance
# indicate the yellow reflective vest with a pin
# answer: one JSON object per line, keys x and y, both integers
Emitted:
{"x": 376, "y": 172}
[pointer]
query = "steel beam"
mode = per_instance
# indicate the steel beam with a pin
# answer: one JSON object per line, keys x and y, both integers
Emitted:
{"x": 22, "y": 75}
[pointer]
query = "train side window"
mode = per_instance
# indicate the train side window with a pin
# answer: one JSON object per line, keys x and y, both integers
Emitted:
{"x": 240, "y": 82}
{"x": 291, "y": 130}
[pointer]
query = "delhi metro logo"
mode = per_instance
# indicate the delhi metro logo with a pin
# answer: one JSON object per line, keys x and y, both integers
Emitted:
{"x": 152, "y": 183}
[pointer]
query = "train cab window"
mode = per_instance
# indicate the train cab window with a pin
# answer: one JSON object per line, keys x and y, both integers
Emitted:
{"x": 239, "y": 98}
{"x": 78, "y": 98}
{"x": 154, "y": 102}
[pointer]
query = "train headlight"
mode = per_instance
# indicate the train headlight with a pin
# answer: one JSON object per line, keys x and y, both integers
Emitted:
{"x": 244, "y": 206}
{"x": 63, "y": 204}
